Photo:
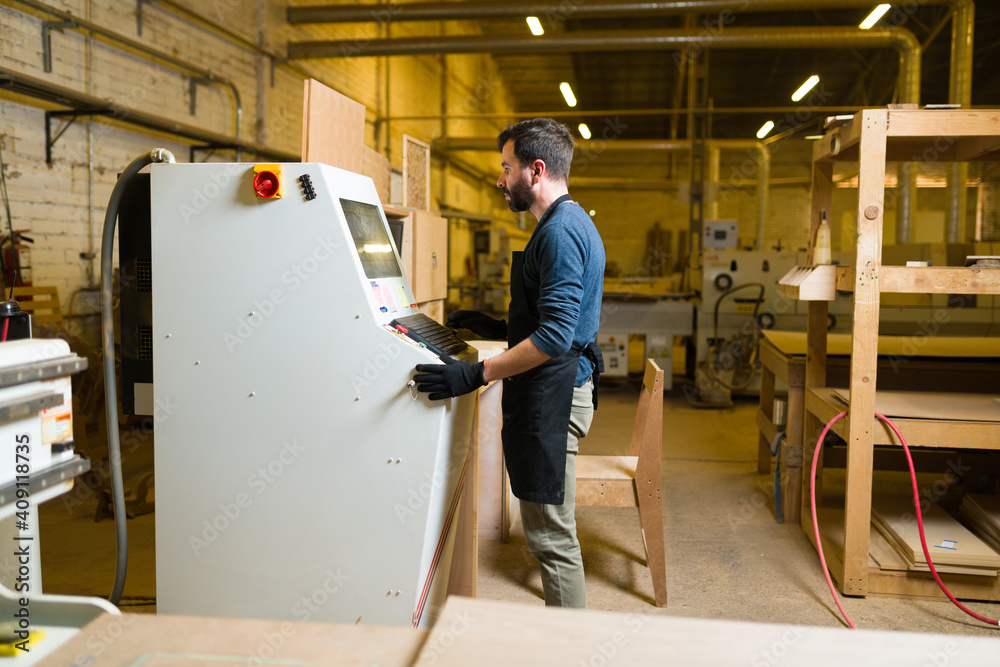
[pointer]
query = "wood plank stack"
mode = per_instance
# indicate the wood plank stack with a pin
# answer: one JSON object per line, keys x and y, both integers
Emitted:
{"x": 982, "y": 514}
{"x": 953, "y": 547}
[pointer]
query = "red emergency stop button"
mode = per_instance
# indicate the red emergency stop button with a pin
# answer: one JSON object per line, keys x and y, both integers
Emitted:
{"x": 267, "y": 181}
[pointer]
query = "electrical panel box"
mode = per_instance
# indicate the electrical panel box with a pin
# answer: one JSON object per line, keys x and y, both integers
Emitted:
{"x": 720, "y": 235}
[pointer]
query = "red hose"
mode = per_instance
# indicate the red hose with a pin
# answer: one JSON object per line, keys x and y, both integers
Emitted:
{"x": 920, "y": 523}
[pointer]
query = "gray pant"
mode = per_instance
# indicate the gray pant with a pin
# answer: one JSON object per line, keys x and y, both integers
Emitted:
{"x": 550, "y": 530}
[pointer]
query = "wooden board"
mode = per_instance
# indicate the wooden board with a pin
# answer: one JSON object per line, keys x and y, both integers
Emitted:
{"x": 333, "y": 128}
{"x": 377, "y": 167}
{"x": 490, "y": 634}
{"x": 158, "y": 641}
{"x": 982, "y": 514}
{"x": 429, "y": 234}
{"x": 949, "y": 542}
{"x": 839, "y": 344}
{"x": 932, "y": 405}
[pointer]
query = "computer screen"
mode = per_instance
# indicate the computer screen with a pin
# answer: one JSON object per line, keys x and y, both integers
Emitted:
{"x": 370, "y": 239}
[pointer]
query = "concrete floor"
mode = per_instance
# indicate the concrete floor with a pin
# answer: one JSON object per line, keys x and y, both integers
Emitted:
{"x": 726, "y": 556}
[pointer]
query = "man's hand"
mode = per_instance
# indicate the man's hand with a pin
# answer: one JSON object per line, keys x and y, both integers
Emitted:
{"x": 452, "y": 379}
{"x": 478, "y": 323}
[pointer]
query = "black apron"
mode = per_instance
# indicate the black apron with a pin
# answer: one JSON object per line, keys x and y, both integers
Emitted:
{"x": 537, "y": 403}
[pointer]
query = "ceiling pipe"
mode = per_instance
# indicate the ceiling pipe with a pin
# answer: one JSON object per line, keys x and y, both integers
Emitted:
{"x": 761, "y": 151}
{"x": 559, "y": 10}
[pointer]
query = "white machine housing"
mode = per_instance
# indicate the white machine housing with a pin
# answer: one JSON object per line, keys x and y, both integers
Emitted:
{"x": 297, "y": 476}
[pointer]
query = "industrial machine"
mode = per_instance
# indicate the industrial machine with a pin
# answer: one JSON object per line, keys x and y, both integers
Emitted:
{"x": 739, "y": 297}
{"x": 299, "y": 475}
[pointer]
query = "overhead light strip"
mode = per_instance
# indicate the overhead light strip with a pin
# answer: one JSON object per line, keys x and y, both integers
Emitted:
{"x": 765, "y": 129}
{"x": 567, "y": 93}
{"x": 584, "y": 130}
{"x": 805, "y": 88}
{"x": 873, "y": 18}
{"x": 536, "y": 26}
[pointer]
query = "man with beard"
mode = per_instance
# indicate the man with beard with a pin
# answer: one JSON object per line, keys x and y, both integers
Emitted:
{"x": 552, "y": 362}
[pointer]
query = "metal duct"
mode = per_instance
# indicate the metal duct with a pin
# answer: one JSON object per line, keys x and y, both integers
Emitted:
{"x": 556, "y": 10}
{"x": 763, "y": 159}
{"x": 631, "y": 40}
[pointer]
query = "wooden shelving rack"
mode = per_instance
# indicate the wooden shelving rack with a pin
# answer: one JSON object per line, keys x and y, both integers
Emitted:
{"x": 871, "y": 139}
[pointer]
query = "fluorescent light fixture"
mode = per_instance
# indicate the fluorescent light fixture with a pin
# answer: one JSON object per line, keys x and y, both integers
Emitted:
{"x": 813, "y": 137}
{"x": 767, "y": 127}
{"x": 536, "y": 26}
{"x": 584, "y": 131}
{"x": 873, "y": 18}
{"x": 805, "y": 88}
{"x": 377, "y": 248}
{"x": 568, "y": 94}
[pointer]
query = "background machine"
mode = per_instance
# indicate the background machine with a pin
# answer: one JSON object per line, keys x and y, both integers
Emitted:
{"x": 298, "y": 476}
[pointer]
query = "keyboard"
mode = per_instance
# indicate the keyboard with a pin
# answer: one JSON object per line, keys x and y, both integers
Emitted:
{"x": 438, "y": 338}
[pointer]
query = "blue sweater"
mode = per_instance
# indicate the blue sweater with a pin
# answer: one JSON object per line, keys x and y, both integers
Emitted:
{"x": 564, "y": 283}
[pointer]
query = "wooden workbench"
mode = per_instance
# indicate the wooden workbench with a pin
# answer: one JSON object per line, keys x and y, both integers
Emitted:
{"x": 871, "y": 138}
{"x": 904, "y": 362}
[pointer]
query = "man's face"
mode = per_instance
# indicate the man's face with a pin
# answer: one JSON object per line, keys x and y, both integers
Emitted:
{"x": 515, "y": 180}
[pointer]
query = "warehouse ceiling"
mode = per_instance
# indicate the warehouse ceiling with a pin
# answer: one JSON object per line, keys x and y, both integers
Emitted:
{"x": 615, "y": 87}
{"x": 743, "y": 78}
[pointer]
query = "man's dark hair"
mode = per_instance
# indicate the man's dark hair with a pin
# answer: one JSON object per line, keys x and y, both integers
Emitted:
{"x": 541, "y": 139}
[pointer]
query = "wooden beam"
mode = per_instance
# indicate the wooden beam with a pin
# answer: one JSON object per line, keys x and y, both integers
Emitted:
{"x": 927, "y": 280}
{"x": 929, "y": 124}
{"x": 871, "y": 208}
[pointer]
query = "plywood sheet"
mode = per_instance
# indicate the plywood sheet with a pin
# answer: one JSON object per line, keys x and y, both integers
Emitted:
{"x": 333, "y": 128}
{"x": 494, "y": 634}
{"x": 932, "y": 405}
{"x": 949, "y": 542}
{"x": 794, "y": 343}
{"x": 377, "y": 167}
{"x": 152, "y": 640}
{"x": 982, "y": 514}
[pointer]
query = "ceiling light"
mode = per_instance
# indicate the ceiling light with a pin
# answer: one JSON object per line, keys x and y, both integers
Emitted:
{"x": 592, "y": 213}
{"x": 805, "y": 88}
{"x": 873, "y": 18}
{"x": 568, "y": 94}
{"x": 536, "y": 26}
{"x": 584, "y": 131}
{"x": 813, "y": 137}
{"x": 767, "y": 127}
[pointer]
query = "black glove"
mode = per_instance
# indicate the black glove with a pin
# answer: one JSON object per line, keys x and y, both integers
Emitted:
{"x": 478, "y": 323}
{"x": 452, "y": 379}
